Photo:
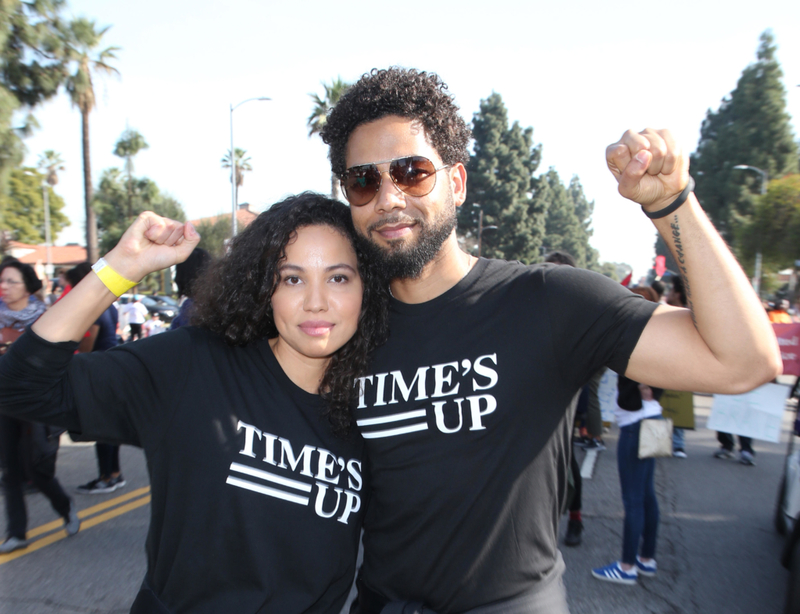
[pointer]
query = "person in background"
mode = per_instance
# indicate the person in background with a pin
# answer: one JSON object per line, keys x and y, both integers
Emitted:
{"x": 659, "y": 287}
{"x": 27, "y": 448}
{"x": 101, "y": 336}
{"x": 136, "y": 314}
{"x": 185, "y": 275}
{"x": 780, "y": 314}
{"x": 747, "y": 455}
{"x": 153, "y": 326}
{"x": 635, "y": 402}
{"x": 573, "y": 536}
{"x": 677, "y": 298}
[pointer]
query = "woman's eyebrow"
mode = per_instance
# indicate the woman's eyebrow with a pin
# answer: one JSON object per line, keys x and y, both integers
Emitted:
{"x": 297, "y": 267}
{"x": 343, "y": 265}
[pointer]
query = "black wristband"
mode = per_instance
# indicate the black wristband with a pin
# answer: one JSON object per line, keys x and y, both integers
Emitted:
{"x": 655, "y": 215}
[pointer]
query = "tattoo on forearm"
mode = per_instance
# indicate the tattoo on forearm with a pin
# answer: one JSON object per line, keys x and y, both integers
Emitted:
{"x": 681, "y": 259}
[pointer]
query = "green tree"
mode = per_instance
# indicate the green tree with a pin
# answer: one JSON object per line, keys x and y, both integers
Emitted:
{"x": 319, "y": 116}
{"x": 129, "y": 144}
{"x": 774, "y": 227}
{"x": 31, "y": 70}
{"x": 242, "y": 162}
{"x": 563, "y": 229}
{"x": 500, "y": 173}
{"x": 568, "y": 220}
{"x": 610, "y": 269}
{"x": 584, "y": 208}
{"x": 82, "y": 40}
{"x": 24, "y": 211}
{"x": 750, "y": 127}
{"x": 112, "y": 205}
{"x": 50, "y": 163}
{"x": 214, "y": 237}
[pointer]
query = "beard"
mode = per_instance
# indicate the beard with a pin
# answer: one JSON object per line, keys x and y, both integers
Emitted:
{"x": 401, "y": 260}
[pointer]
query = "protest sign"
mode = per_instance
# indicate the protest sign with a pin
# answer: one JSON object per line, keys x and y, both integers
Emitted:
{"x": 757, "y": 414}
{"x": 607, "y": 395}
{"x": 789, "y": 341}
{"x": 679, "y": 406}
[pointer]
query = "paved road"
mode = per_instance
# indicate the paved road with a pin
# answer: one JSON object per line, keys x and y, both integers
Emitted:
{"x": 718, "y": 552}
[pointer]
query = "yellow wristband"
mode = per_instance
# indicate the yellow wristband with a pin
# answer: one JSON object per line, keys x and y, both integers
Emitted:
{"x": 111, "y": 279}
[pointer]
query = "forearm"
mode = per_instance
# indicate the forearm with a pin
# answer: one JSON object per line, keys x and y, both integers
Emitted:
{"x": 150, "y": 244}
{"x": 725, "y": 310}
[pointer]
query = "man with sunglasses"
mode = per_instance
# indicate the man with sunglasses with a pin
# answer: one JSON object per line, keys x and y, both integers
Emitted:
{"x": 468, "y": 407}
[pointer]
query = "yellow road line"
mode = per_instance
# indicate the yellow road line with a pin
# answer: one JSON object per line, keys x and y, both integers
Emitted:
{"x": 85, "y": 524}
{"x": 56, "y": 524}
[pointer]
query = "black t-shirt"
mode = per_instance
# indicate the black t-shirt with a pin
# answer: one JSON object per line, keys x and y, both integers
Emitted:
{"x": 256, "y": 505}
{"x": 466, "y": 417}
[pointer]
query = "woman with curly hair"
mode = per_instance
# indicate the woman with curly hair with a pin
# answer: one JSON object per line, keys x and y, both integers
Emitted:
{"x": 257, "y": 483}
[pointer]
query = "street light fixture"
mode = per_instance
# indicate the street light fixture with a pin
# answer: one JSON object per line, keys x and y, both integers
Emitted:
{"x": 481, "y": 228}
{"x": 764, "y": 181}
{"x": 234, "y": 204}
{"x": 763, "y": 173}
{"x": 47, "y": 240}
{"x": 48, "y": 269}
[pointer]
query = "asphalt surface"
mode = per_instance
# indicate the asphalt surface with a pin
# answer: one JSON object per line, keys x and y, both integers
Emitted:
{"x": 717, "y": 551}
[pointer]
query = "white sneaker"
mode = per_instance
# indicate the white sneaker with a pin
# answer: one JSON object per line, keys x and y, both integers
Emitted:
{"x": 746, "y": 458}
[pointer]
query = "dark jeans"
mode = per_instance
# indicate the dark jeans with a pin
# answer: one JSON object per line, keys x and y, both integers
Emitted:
{"x": 136, "y": 332}
{"x": 16, "y": 464}
{"x": 726, "y": 440}
{"x": 575, "y": 469}
{"x": 107, "y": 458}
{"x": 637, "y": 479}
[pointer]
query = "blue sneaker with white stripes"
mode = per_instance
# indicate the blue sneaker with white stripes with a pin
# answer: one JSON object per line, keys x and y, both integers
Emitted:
{"x": 615, "y": 573}
{"x": 646, "y": 569}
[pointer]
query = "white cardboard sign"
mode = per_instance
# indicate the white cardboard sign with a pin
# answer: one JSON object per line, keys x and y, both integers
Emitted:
{"x": 757, "y": 414}
{"x": 607, "y": 395}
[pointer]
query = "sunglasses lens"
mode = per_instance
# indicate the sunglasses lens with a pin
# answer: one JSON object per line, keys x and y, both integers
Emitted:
{"x": 414, "y": 175}
{"x": 360, "y": 184}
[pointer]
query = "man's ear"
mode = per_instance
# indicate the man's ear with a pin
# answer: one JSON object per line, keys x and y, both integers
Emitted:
{"x": 458, "y": 181}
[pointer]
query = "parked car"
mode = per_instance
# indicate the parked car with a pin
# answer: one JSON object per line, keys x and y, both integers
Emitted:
{"x": 161, "y": 305}
{"x": 167, "y": 299}
{"x": 787, "y": 515}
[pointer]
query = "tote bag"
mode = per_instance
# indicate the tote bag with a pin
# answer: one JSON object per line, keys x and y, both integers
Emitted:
{"x": 655, "y": 437}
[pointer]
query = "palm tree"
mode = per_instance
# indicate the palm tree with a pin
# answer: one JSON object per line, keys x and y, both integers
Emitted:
{"x": 129, "y": 144}
{"x": 319, "y": 116}
{"x": 50, "y": 163}
{"x": 83, "y": 38}
{"x": 242, "y": 161}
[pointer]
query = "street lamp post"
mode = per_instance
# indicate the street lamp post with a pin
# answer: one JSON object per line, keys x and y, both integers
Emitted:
{"x": 47, "y": 242}
{"x": 481, "y": 228}
{"x": 233, "y": 165}
{"x": 764, "y": 181}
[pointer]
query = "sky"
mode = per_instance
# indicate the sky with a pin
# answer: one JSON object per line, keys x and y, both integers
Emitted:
{"x": 579, "y": 73}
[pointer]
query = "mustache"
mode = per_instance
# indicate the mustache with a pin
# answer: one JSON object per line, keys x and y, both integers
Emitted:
{"x": 393, "y": 219}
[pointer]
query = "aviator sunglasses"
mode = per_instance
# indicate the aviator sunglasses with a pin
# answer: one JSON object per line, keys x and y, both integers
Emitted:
{"x": 412, "y": 175}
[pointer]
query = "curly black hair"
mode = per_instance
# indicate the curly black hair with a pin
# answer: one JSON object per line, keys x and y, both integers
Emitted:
{"x": 404, "y": 92}
{"x": 233, "y": 298}
{"x": 190, "y": 269}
